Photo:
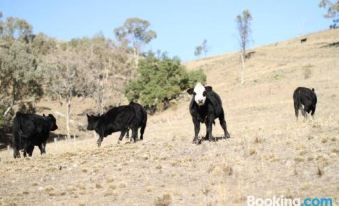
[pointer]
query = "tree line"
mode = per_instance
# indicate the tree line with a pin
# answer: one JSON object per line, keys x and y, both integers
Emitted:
{"x": 34, "y": 65}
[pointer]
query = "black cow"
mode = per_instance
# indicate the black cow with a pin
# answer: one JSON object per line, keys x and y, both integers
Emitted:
{"x": 303, "y": 40}
{"x": 121, "y": 119}
{"x": 305, "y": 100}
{"x": 141, "y": 117}
{"x": 205, "y": 107}
{"x": 31, "y": 130}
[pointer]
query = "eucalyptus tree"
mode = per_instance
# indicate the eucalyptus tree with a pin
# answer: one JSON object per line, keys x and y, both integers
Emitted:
{"x": 20, "y": 73}
{"x": 201, "y": 49}
{"x": 244, "y": 28}
{"x": 332, "y": 8}
{"x": 136, "y": 33}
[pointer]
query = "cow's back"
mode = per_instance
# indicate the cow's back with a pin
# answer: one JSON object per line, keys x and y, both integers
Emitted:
{"x": 304, "y": 96}
{"x": 115, "y": 119}
{"x": 31, "y": 127}
{"x": 23, "y": 124}
{"x": 215, "y": 100}
{"x": 140, "y": 113}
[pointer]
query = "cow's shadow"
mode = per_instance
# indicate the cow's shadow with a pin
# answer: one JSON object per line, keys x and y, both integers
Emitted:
{"x": 6, "y": 138}
{"x": 215, "y": 139}
{"x": 59, "y": 137}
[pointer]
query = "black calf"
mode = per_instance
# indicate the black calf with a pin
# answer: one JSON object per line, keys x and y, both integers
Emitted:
{"x": 305, "y": 100}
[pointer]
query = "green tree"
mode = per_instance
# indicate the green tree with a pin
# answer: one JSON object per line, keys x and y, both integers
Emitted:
{"x": 244, "y": 28}
{"x": 159, "y": 79}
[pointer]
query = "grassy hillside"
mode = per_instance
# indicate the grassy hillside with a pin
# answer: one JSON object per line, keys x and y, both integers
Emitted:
{"x": 269, "y": 152}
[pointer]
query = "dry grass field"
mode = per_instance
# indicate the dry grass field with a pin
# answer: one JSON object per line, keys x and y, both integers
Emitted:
{"x": 269, "y": 152}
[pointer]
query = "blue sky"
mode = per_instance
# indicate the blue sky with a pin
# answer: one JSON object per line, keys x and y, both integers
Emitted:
{"x": 181, "y": 25}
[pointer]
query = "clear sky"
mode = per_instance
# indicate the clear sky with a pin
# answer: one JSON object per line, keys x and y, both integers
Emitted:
{"x": 181, "y": 25}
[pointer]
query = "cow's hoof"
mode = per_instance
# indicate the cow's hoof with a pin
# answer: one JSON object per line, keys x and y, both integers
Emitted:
{"x": 196, "y": 141}
{"x": 227, "y": 137}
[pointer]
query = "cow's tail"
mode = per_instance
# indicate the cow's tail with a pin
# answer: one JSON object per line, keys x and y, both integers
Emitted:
{"x": 14, "y": 139}
{"x": 16, "y": 142}
{"x": 143, "y": 126}
{"x": 296, "y": 102}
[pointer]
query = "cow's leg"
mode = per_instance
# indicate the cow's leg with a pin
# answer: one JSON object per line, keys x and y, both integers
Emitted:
{"x": 26, "y": 148}
{"x": 303, "y": 111}
{"x": 30, "y": 150}
{"x": 296, "y": 109}
{"x": 196, "y": 130}
{"x": 25, "y": 152}
{"x": 224, "y": 126}
{"x": 122, "y": 134}
{"x": 135, "y": 134}
{"x": 206, "y": 136}
{"x": 42, "y": 148}
{"x": 210, "y": 120}
{"x": 142, "y": 131}
{"x": 312, "y": 111}
{"x": 100, "y": 139}
{"x": 16, "y": 153}
{"x": 307, "y": 109}
{"x": 16, "y": 145}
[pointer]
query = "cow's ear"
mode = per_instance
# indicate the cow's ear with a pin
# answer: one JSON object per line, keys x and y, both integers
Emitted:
{"x": 190, "y": 91}
{"x": 43, "y": 115}
{"x": 208, "y": 88}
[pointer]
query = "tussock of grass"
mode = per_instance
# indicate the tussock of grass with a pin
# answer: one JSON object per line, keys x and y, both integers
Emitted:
{"x": 165, "y": 200}
{"x": 320, "y": 171}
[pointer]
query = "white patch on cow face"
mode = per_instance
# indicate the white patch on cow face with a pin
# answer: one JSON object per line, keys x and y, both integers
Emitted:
{"x": 199, "y": 94}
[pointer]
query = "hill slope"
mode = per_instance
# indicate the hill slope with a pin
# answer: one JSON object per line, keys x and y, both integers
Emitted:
{"x": 269, "y": 153}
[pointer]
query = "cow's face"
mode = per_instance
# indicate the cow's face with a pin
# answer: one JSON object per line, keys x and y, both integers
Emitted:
{"x": 54, "y": 126}
{"x": 199, "y": 93}
{"x": 91, "y": 122}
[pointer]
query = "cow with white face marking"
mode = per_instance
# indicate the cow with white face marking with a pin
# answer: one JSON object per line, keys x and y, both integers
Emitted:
{"x": 205, "y": 107}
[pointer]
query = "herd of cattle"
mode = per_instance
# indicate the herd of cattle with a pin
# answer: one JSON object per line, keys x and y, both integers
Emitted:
{"x": 31, "y": 130}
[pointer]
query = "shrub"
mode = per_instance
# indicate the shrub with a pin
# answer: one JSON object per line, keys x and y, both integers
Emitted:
{"x": 196, "y": 76}
{"x": 160, "y": 78}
